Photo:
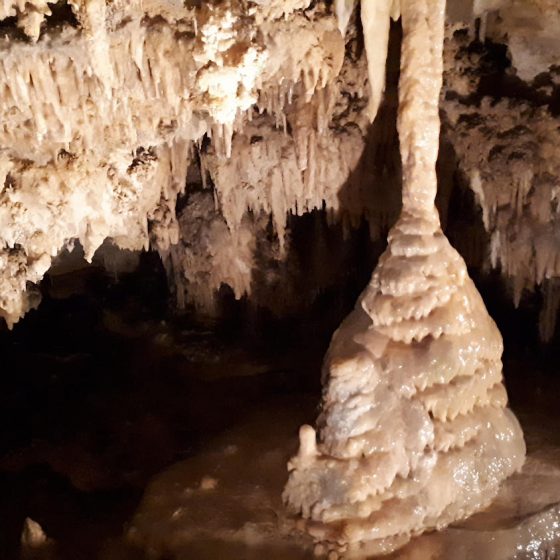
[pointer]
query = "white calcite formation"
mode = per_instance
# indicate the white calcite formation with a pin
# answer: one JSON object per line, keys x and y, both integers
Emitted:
{"x": 99, "y": 119}
{"x": 414, "y": 432}
{"x": 376, "y": 20}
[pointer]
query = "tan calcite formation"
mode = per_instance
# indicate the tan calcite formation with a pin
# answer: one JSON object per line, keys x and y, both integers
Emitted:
{"x": 507, "y": 150}
{"x": 30, "y": 14}
{"x": 277, "y": 172}
{"x": 528, "y": 27}
{"x": 209, "y": 254}
{"x": 99, "y": 120}
{"x": 414, "y": 432}
{"x": 42, "y": 207}
{"x": 376, "y": 20}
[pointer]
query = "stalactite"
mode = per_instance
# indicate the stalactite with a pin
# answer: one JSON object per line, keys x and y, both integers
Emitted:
{"x": 376, "y": 18}
{"x": 343, "y": 10}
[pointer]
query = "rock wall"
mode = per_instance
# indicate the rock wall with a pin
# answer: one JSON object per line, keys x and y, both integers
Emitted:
{"x": 504, "y": 126}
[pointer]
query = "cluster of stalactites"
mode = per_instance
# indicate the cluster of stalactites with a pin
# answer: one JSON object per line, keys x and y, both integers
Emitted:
{"x": 281, "y": 173}
{"x": 508, "y": 151}
{"x": 43, "y": 207}
{"x": 99, "y": 119}
{"x": 110, "y": 97}
{"x": 300, "y": 154}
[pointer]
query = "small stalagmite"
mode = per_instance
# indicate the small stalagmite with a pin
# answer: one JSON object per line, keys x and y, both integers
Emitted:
{"x": 414, "y": 432}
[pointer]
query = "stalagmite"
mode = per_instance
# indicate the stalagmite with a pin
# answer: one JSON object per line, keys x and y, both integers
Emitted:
{"x": 414, "y": 432}
{"x": 35, "y": 545}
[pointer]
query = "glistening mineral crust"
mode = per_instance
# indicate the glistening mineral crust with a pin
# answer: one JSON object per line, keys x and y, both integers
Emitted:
{"x": 414, "y": 432}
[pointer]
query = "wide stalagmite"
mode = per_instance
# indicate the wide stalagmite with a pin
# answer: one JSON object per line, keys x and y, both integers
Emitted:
{"x": 414, "y": 432}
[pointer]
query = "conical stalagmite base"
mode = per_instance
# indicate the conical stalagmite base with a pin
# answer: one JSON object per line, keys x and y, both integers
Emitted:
{"x": 414, "y": 432}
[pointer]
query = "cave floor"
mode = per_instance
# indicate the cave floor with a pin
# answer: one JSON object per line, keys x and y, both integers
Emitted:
{"x": 152, "y": 440}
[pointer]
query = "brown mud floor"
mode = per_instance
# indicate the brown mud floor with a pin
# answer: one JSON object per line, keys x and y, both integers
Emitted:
{"x": 127, "y": 434}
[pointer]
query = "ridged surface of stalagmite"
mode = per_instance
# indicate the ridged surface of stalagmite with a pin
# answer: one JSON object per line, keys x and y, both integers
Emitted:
{"x": 414, "y": 432}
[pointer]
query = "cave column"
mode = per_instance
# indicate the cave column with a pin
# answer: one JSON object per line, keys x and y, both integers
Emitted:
{"x": 419, "y": 89}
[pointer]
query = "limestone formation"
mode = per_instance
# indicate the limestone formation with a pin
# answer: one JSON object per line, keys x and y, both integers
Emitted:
{"x": 414, "y": 432}
{"x": 100, "y": 119}
{"x": 105, "y": 106}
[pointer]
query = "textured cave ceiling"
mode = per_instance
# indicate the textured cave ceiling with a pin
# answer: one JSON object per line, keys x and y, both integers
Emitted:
{"x": 251, "y": 148}
{"x": 247, "y": 112}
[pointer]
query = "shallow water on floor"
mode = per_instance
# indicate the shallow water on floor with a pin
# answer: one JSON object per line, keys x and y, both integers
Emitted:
{"x": 225, "y": 502}
{"x": 159, "y": 442}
